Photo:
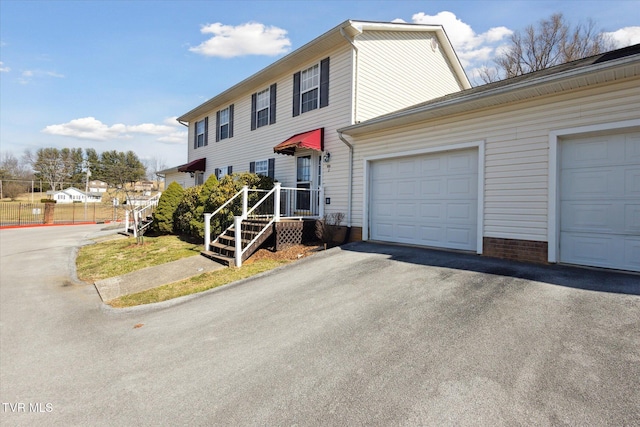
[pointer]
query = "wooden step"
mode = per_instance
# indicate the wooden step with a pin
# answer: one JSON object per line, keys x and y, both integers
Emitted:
{"x": 224, "y": 260}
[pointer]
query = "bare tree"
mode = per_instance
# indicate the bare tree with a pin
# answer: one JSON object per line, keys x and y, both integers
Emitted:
{"x": 154, "y": 165}
{"x": 14, "y": 176}
{"x": 552, "y": 42}
{"x": 52, "y": 165}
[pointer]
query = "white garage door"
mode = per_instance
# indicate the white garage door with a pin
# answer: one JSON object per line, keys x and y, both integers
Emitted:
{"x": 600, "y": 201}
{"x": 429, "y": 200}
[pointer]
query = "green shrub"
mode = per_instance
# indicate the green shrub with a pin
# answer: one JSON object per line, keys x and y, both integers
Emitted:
{"x": 185, "y": 217}
{"x": 163, "y": 216}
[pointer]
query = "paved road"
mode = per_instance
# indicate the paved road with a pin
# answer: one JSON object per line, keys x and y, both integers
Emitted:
{"x": 368, "y": 335}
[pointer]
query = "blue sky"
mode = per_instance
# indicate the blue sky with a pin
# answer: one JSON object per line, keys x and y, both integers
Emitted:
{"x": 113, "y": 75}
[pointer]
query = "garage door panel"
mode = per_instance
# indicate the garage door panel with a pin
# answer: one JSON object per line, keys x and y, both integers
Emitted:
{"x": 599, "y": 201}
{"x": 459, "y": 238}
{"x": 407, "y": 210}
{"x": 632, "y": 253}
{"x": 591, "y": 183}
{"x": 431, "y": 235}
{"x": 460, "y": 212}
{"x": 632, "y": 219}
{"x": 632, "y": 148}
{"x": 406, "y": 168}
{"x": 591, "y": 249}
{"x": 407, "y": 188}
{"x": 432, "y": 211}
{"x": 384, "y": 210}
{"x": 462, "y": 163}
{"x": 632, "y": 181}
{"x": 384, "y": 189}
{"x": 596, "y": 151}
{"x": 431, "y": 187}
{"x": 437, "y": 206}
{"x": 430, "y": 165}
{"x": 594, "y": 217}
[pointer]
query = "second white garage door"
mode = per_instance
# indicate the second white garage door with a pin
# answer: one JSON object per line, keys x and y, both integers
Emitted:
{"x": 600, "y": 201}
{"x": 428, "y": 200}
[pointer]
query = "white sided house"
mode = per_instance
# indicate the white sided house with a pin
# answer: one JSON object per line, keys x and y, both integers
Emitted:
{"x": 73, "y": 195}
{"x": 282, "y": 121}
{"x": 543, "y": 167}
{"x": 378, "y": 121}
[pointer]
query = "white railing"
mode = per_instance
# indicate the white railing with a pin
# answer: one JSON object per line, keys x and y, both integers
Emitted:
{"x": 138, "y": 214}
{"x": 276, "y": 204}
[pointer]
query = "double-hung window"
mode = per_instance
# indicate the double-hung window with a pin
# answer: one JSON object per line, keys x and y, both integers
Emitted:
{"x": 224, "y": 123}
{"x": 311, "y": 88}
{"x": 263, "y": 107}
{"x": 263, "y": 167}
{"x": 201, "y": 133}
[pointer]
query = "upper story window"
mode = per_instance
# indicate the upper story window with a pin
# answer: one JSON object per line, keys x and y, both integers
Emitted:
{"x": 311, "y": 88}
{"x": 263, "y": 107}
{"x": 201, "y": 133}
{"x": 224, "y": 123}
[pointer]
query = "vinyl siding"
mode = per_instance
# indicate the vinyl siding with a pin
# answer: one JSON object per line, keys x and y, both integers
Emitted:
{"x": 247, "y": 145}
{"x": 516, "y": 151}
{"x": 399, "y": 69}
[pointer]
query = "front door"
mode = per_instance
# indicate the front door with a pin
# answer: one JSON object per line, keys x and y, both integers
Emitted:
{"x": 303, "y": 181}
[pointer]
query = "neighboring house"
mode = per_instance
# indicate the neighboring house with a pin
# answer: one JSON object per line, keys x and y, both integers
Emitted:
{"x": 98, "y": 186}
{"x": 144, "y": 186}
{"x": 72, "y": 194}
{"x": 543, "y": 167}
{"x": 282, "y": 121}
{"x": 185, "y": 179}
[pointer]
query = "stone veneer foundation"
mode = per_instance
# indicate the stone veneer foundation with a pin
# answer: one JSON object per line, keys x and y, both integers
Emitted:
{"x": 517, "y": 250}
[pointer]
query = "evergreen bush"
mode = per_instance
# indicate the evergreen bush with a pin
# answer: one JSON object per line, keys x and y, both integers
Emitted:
{"x": 169, "y": 201}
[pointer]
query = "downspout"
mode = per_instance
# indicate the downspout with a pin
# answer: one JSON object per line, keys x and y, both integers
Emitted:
{"x": 350, "y": 181}
{"x": 354, "y": 111}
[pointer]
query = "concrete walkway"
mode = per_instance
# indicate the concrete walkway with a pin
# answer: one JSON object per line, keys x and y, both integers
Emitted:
{"x": 152, "y": 277}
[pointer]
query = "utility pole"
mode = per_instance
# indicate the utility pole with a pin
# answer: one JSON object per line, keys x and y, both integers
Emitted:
{"x": 86, "y": 190}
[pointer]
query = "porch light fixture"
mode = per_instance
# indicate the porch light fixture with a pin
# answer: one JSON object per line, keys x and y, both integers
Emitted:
{"x": 327, "y": 157}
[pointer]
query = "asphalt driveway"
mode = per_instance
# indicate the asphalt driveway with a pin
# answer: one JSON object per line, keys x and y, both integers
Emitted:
{"x": 365, "y": 335}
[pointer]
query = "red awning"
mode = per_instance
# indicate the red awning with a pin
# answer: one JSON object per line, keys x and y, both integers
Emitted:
{"x": 194, "y": 166}
{"x": 312, "y": 140}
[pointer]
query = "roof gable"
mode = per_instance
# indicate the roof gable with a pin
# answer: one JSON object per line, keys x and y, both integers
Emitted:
{"x": 337, "y": 36}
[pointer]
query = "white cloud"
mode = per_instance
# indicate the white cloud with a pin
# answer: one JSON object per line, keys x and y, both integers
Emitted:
{"x": 470, "y": 46}
{"x": 252, "y": 38}
{"x": 28, "y": 75}
{"x": 626, "y": 36}
{"x": 4, "y": 69}
{"x": 92, "y": 129}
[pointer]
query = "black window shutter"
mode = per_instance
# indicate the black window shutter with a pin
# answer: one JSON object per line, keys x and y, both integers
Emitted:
{"x": 229, "y": 170}
{"x": 231, "y": 121}
{"x": 195, "y": 135}
{"x": 272, "y": 169}
{"x": 252, "y": 167}
{"x": 272, "y": 104}
{"x": 296, "y": 94}
{"x": 206, "y": 130}
{"x": 324, "y": 82}
{"x": 217, "y": 126}
{"x": 254, "y": 102}
{"x": 217, "y": 172}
